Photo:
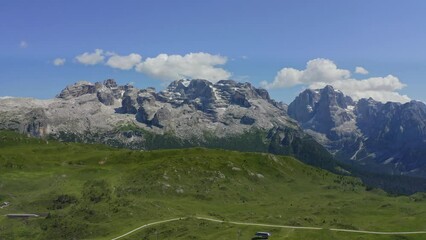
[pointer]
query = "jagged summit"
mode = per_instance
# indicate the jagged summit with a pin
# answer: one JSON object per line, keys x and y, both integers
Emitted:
{"x": 177, "y": 90}
{"x": 370, "y": 132}
{"x": 199, "y": 94}
{"x": 187, "y": 108}
{"x": 107, "y": 91}
{"x": 188, "y": 113}
{"x": 322, "y": 109}
{"x": 387, "y": 136}
{"x": 77, "y": 89}
{"x": 224, "y": 102}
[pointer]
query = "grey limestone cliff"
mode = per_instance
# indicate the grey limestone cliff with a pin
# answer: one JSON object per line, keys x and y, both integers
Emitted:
{"x": 226, "y": 114}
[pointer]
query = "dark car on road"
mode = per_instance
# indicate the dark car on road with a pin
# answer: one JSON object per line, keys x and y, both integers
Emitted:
{"x": 261, "y": 235}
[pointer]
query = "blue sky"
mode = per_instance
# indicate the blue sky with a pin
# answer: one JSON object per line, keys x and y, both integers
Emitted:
{"x": 245, "y": 40}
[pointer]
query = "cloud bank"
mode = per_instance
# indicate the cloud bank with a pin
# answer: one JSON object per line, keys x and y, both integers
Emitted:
{"x": 163, "y": 67}
{"x": 193, "y": 65}
{"x": 124, "y": 62}
{"x": 321, "y": 72}
{"x": 91, "y": 58}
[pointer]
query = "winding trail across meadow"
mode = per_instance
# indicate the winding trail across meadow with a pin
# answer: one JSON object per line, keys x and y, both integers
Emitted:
{"x": 146, "y": 225}
{"x": 271, "y": 225}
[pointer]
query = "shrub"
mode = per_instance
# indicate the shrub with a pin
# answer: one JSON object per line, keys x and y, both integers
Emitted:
{"x": 96, "y": 191}
{"x": 62, "y": 201}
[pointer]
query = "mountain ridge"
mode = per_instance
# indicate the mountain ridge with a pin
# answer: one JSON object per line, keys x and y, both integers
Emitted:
{"x": 187, "y": 113}
{"x": 391, "y": 135}
{"x": 380, "y": 137}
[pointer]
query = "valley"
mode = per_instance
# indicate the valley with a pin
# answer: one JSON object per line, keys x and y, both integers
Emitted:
{"x": 97, "y": 192}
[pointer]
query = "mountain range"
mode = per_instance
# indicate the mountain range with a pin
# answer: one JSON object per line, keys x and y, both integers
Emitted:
{"x": 319, "y": 126}
{"x": 387, "y": 137}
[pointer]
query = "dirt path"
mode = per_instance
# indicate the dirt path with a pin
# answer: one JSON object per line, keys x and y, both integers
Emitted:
{"x": 147, "y": 225}
{"x": 272, "y": 225}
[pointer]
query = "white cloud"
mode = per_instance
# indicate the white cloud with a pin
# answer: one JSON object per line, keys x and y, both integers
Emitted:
{"x": 59, "y": 61}
{"x": 317, "y": 70}
{"x": 23, "y": 44}
{"x": 193, "y": 65}
{"x": 361, "y": 70}
{"x": 91, "y": 58}
{"x": 164, "y": 67}
{"x": 322, "y": 72}
{"x": 124, "y": 62}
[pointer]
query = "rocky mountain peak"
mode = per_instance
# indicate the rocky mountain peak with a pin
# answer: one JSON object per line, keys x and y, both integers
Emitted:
{"x": 302, "y": 108}
{"x": 417, "y": 108}
{"x": 390, "y": 134}
{"x": 335, "y": 97}
{"x": 110, "y": 83}
{"x": 222, "y": 93}
{"x": 225, "y": 101}
{"x": 107, "y": 91}
{"x": 77, "y": 89}
{"x": 329, "y": 89}
{"x": 321, "y": 109}
{"x": 366, "y": 131}
{"x": 328, "y": 115}
{"x": 191, "y": 89}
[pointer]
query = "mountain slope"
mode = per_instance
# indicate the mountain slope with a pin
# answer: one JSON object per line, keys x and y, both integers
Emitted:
{"x": 388, "y": 137}
{"x": 227, "y": 115}
{"x": 381, "y": 138}
{"x": 96, "y": 192}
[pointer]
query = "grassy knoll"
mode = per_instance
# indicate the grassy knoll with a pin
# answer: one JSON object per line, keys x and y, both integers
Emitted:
{"x": 97, "y": 192}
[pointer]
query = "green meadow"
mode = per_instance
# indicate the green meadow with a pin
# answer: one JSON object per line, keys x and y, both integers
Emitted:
{"x": 97, "y": 192}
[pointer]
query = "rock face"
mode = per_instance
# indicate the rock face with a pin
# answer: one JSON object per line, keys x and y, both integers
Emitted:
{"x": 396, "y": 133}
{"x": 106, "y": 92}
{"x": 187, "y": 113}
{"x": 387, "y": 137}
{"x": 391, "y": 137}
{"x": 77, "y": 89}
{"x": 225, "y": 107}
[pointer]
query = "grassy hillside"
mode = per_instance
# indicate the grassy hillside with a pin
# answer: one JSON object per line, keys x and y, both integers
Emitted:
{"x": 97, "y": 192}
{"x": 281, "y": 141}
